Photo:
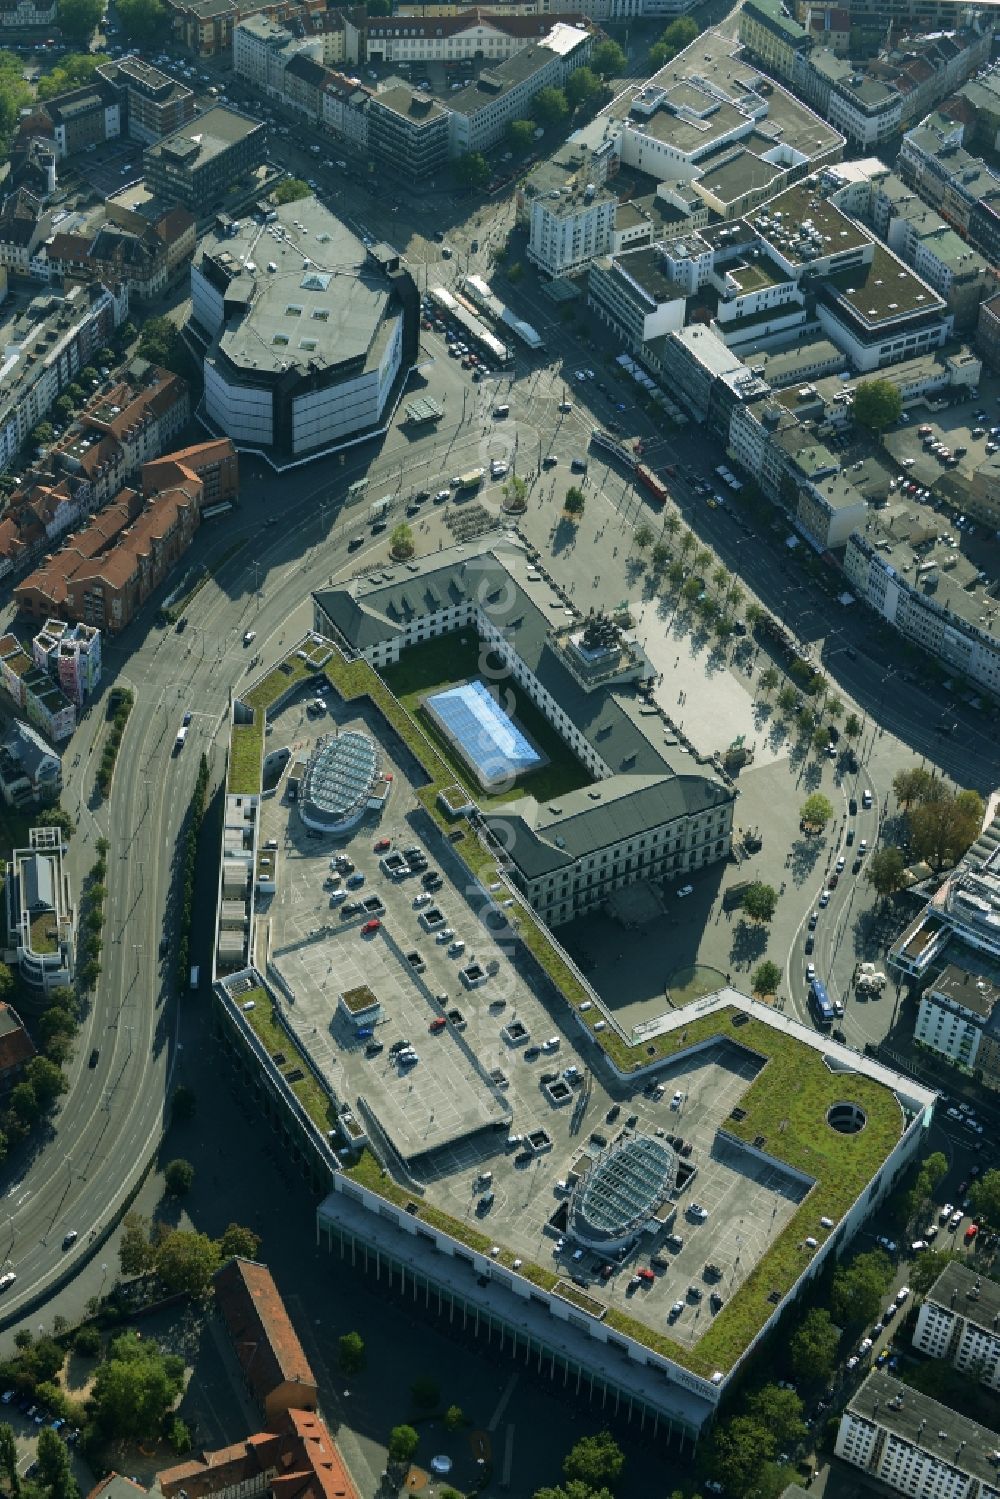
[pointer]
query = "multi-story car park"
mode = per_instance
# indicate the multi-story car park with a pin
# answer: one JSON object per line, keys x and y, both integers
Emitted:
{"x": 439, "y": 1091}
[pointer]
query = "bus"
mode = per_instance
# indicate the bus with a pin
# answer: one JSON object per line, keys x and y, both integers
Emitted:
{"x": 819, "y": 1004}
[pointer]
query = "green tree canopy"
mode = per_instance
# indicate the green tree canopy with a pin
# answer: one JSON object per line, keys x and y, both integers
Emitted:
{"x": 47, "y": 1080}
{"x": 78, "y": 19}
{"x": 179, "y": 1177}
{"x": 766, "y": 978}
{"x": 943, "y": 830}
{"x": 858, "y": 1288}
{"x": 852, "y": 726}
{"x": 76, "y": 68}
{"x": 596, "y": 1460}
{"x": 926, "y": 1268}
{"x": 816, "y": 810}
{"x": 186, "y": 1261}
{"x": 54, "y": 1471}
{"x": 738, "y": 1453}
{"x": 813, "y": 1346}
{"x": 403, "y": 1443}
{"x": 471, "y": 170}
{"x": 575, "y": 501}
{"x": 549, "y": 106}
{"x": 291, "y": 190}
{"x": 240, "y": 1241}
{"x": 15, "y": 94}
{"x": 142, "y": 20}
{"x": 914, "y": 784}
{"x": 608, "y": 60}
{"x": 575, "y": 1488}
{"x": 985, "y": 1198}
{"x": 520, "y": 134}
{"x": 159, "y": 341}
{"x": 351, "y": 1352}
{"x": 644, "y": 536}
{"x": 582, "y": 87}
{"x": 183, "y": 1103}
{"x": 780, "y": 1410}
{"x": 885, "y": 870}
{"x": 8, "y": 1458}
{"x": 134, "y": 1388}
{"x": 760, "y": 901}
{"x": 401, "y": 540}
{"x": 877, "y": 404}
{"x": 135, "y": 1253}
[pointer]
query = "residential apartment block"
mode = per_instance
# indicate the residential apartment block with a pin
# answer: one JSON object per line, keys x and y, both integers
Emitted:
{"x": 86, "y": 116}
{"x": 48, "y": 337}
{"x": 30, "y": 769}
{"x": 112, "y": 566}
{"x": 71, "y": 654}
{"x": 41, "y": 917}
{"x": 215, "y": 463}
{"x": 152, "y": 103}
{"x": 471, "y": 33}
{"x": 916, "y": 1447}
{"x": 643, "y": 817}
{"x": 925, "y": 607}
{"x": 959, "y": 1018}
{"x": 34, "y": 693}
{"x": 959, "y": 1320}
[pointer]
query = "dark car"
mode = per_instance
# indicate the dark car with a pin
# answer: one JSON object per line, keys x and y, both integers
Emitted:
{"x": 354, "y": 543}
{"x": 94, "y": 1057}
{"x": 181, "y": 624}
{"x": 852, "y": 806}
{"x": 532, "y": 1054}
{"x": 164, "y": 946}
{"x": 430, "y": 877}
{"x": 613, "y": 1113}
{"x": 373, "y": 1048}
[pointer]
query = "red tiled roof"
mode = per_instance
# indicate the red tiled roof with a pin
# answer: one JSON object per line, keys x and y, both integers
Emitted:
{"x": 266, "y": 1343}
{"x": 16, "y": 1046}
{"x": 302, "y": 1455}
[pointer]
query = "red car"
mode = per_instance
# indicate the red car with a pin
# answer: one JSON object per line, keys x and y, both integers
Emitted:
{"x": 438, "y": 1024}
{"x": 370, "y": 926}
{"x": 971, "y": 1232}
{"x": 644, "y": 1274}
{"x": 382, "y": 845}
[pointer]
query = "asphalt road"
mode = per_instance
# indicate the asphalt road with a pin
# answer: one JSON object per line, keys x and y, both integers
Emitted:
{"x": 113, "y": 1114}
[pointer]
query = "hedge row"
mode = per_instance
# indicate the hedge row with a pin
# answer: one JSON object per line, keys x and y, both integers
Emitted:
{"x": 121, "y": 701}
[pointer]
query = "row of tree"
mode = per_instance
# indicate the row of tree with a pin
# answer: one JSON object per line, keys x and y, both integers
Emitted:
{"x": 120, "y": 702}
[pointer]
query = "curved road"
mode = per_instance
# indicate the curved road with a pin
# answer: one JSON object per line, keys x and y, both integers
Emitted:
{"x": 111, "y": 1118}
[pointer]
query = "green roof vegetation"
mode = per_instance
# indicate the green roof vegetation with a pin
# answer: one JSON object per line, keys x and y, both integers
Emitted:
{"x": 298, "y": 1075}
{"x": 43, "y": 932}
{"x": 359, "y": 998}
{"x": 785, "y": 1106}
{"x": 246, "y": 757}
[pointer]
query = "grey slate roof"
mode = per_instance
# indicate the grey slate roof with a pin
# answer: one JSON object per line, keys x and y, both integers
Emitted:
{"x": 38, "y": 891}
{"x": 27, "y": 747}
{"x": 544, "y": 839}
